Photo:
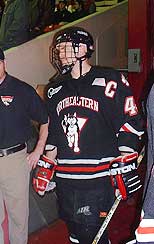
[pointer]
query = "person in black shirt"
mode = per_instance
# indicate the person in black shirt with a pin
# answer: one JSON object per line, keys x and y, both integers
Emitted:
{"x": 14, "y": 24}
{"x": 94, "y": 126}
{"x": 40, "y": 16}
{"x": 61, "y": 14}
{"x": 19, "y": 105}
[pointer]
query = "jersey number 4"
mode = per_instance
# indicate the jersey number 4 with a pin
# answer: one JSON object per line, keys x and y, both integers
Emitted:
{"x": 130, "y": 106}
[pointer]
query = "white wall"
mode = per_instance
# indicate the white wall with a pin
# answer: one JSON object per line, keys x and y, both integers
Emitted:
{"x": 30, "y": 61}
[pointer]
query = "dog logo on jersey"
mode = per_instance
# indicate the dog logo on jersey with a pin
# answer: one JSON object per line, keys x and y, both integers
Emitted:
{"x": 72, "y": 126}
{"x": 7, "y": 100}
{"x": 53, "y": 91}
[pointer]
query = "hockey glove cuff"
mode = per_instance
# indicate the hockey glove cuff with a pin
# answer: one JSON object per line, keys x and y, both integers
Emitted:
{"x": 43, "y": 174}
{"x": 124, "y": 176}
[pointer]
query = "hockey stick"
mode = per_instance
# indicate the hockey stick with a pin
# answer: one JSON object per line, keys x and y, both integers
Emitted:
{"x": 114, "y": 206}
{"x": 107, "y": 219}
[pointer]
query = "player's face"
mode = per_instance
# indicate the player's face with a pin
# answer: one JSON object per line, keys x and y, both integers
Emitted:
{"x": 66, "y": 53}
{"x": 2, "y": 70}
{"x": 66, "y": 56}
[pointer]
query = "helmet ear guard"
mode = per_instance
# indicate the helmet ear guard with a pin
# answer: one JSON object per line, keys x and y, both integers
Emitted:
{"x": 75, "y": 35}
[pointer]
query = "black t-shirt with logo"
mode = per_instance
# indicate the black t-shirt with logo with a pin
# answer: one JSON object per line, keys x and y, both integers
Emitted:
{"x": 19, "y": 105}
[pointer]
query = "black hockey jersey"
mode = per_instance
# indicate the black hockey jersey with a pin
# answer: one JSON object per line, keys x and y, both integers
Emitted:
{"x": 92, "y": 119}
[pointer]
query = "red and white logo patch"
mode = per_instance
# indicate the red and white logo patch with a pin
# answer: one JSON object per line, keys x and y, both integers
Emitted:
{"x": 7, "y": 100}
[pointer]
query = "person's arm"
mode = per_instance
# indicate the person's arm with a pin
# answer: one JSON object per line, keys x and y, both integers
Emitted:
{"x": 34, "y": 156}
{"x": 126, "y": 119}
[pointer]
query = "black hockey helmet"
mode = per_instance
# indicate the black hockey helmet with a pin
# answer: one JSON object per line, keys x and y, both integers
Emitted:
{"x": 75, "y": 35}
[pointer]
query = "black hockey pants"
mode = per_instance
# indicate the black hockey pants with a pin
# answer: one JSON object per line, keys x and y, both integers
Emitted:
{"x": 84, "y": 234}
{"x": 84, "y": 210}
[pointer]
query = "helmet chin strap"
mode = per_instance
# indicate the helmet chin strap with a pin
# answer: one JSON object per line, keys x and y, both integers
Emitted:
{"x": 80, "y": 66}
{"x": 81, "y": 59}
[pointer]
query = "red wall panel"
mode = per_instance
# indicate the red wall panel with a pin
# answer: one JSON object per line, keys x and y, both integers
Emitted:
{"x": 138, "y": 38}
{"x": 151, "y": 31}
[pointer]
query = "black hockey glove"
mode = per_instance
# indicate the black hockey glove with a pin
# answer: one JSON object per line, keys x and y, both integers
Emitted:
{"x": 124, "y": 176}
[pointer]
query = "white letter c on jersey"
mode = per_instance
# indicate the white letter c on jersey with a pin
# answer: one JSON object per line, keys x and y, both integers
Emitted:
{"x": 110, "y": 89}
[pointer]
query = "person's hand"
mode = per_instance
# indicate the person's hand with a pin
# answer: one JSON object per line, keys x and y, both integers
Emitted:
{"x": 33, "y": 158}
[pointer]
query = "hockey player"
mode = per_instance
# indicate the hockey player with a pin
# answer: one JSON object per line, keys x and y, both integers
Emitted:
{"x": 93, "y": 120}
{"x": 145, "y": 230}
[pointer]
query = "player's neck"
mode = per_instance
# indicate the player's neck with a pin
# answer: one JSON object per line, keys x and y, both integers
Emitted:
{"x": 76, "y": 70}
{"x": 2, "y": 77}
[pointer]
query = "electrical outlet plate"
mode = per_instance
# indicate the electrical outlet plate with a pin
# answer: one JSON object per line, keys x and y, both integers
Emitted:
{"x": 134, "y": 60}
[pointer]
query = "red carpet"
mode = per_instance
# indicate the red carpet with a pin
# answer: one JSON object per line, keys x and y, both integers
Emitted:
{"x": 121, "y": 227}
{"x": 54, "y": 234}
